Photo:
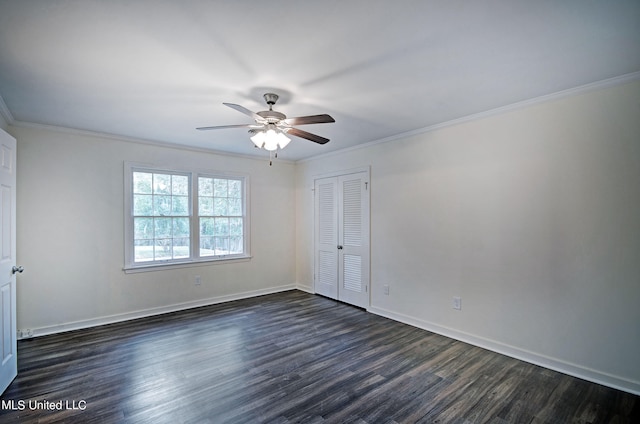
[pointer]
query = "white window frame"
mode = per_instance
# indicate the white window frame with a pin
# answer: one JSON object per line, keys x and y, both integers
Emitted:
{"x": 195, "y": 259}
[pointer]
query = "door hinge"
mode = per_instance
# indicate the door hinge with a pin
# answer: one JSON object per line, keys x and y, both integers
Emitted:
{"x": 366, "y": 185}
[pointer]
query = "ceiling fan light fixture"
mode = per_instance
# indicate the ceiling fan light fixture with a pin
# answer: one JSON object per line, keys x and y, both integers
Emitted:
{"x": 258, "y": 138}
{"x": 283, "y": 140}
{"x": 274, "y": 139}
{"x": 271, "y": 139}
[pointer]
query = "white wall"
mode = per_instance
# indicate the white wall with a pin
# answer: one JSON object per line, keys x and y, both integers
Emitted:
{"x": 532, "y": 216}
{"x": 70, "y": 232}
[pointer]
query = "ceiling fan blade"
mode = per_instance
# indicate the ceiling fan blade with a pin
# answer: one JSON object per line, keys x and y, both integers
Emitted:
{"x": 307, "y": 135}
{"x": 246, "y": 111}
{"x": 221, "y": 127}
{"x": 312, "y": 119}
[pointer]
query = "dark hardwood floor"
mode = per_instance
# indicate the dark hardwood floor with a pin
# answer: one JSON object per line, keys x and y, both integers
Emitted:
{"x": 284, "y": 358}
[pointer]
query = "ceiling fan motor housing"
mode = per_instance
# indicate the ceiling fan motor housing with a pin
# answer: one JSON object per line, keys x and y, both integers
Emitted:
{"x": 271, "y": 116}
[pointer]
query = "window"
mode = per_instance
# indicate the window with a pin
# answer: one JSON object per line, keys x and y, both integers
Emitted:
{"x": 160, "y": 216}
{"x": 176, "y": 217}
{"x": 221, "y": 220}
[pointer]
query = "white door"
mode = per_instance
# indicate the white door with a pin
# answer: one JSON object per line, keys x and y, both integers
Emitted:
{"x": 326, "y": 237}
{"x": 342, "y": 238}
{"x": 8, "y": 269}
{"x": 353, "y": 239}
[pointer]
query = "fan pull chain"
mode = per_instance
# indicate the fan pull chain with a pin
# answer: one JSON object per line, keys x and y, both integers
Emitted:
{"x": 273, "y": 154}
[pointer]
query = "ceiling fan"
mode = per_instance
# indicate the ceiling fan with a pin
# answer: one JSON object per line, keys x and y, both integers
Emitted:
{"x": 270, "y": 126}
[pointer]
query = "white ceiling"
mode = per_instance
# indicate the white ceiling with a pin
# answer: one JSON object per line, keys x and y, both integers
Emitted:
{"x": 155, "y": 70}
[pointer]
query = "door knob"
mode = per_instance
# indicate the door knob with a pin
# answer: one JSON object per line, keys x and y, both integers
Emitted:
{"x": 17, "y": 269}
{"x": 339, "y": 247}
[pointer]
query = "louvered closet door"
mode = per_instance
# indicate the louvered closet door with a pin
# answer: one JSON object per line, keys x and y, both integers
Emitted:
{"x": 326, "y": 237}
{"x": 342, "y": 238}
{"x": 353, "y": 238}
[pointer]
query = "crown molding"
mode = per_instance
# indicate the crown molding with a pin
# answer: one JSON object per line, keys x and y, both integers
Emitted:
{"x": 582, "y": 89}
{"x": 116, "y": 137}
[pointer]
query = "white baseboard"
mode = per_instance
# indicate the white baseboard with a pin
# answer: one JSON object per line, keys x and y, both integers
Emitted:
{"x": 94, "y": 322}
{"x": 564, "y": 367}
{"x": 305, "y": 288}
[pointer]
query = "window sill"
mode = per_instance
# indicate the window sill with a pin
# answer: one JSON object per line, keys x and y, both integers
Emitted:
{"x": 187, "y": 264}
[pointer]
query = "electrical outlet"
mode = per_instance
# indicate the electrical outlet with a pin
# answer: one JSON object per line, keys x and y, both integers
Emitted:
{"x": 386, "y": 289}
{"x": 198, "y": 280}
{"x": 457, "y": 303}
{"x": 24, "y": 334}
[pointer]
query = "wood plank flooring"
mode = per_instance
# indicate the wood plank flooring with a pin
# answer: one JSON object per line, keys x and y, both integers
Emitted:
{"x": 285, "y": 358}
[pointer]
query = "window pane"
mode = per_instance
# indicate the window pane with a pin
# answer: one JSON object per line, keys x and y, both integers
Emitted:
{"x": 143, "y": 250}
{"x": 206, "y": 226}
{"x": 181, "y": 248}
{"x": 222, "y": 245}
{"x": 162, "y": 227}
{"x": 180, "y": 185}
{"x": 220, "y": 188}
{"x": 142, "y": 182}
{"x": 221, "y": 226}
{"x": 220, "y": 207}
{"x": 235, "y": 207}
{"x": 235, "y": 245}
{"x": 205, "y": 206}
{"x": 205, "y": 186}
{"x": 142, "y": 205}
{"x": 162, "y": 249}
{"x": 235, "y": 226}
{"x": 206, "y": 246}
{"x": 161, "y": 184}
{"x": 162, "y": 205}
{"x": 180, "y": 205}
{"x": 235, "y": 189}
{"x": 143, "y": 228}
{"x": 180, "y": 227}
